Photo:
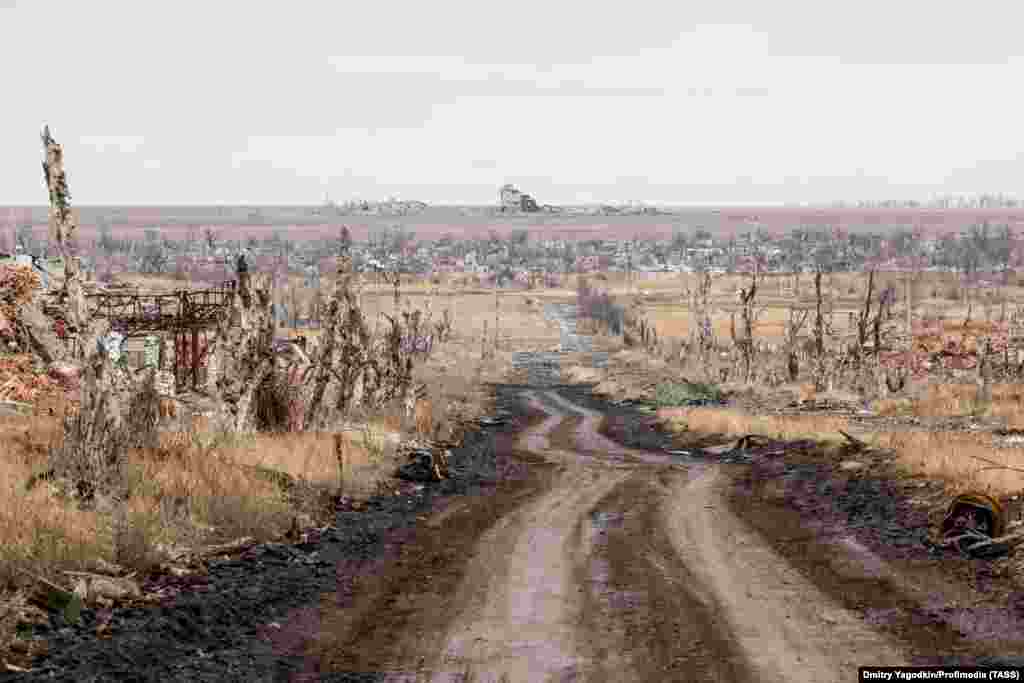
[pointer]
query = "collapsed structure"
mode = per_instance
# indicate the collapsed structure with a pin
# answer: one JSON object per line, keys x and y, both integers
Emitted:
{"x": 223, "y": 360}
{"x": 512, "y": 200}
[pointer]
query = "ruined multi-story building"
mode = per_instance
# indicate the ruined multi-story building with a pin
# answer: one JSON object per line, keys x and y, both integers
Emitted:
{"x": 513, "y": 200}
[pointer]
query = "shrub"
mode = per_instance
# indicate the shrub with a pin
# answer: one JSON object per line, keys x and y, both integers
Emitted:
{"x": 668, "y": 395}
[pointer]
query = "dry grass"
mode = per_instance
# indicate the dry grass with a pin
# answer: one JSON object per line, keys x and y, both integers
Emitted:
{"x": 201, "y": 487}
{"x": 954, "y": 400}
{"x": 942, "y": 455}
{"x": 673, "y": 320}
{"x": 948, "y": 456}
{"x": 789, "y": 427}
{"x": 661, "y": 301}
{"x": 951, "y": 457}
{"x": 194, "y": 488}
{"x": 520, "y": 324}
{"x": 213, "y": 480}
{"x": 33, "y": 529}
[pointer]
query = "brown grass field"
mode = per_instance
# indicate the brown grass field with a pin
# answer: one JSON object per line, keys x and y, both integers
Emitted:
{"x": 937, "y": 453}
{"x": 202, "y": 487}
{"x": 662, "y": 302}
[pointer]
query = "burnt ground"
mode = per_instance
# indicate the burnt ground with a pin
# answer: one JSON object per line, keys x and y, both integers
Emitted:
{"x": 943, "y": 608}
{"x": 263, "y": 616}
{"x": 220, "y": 628}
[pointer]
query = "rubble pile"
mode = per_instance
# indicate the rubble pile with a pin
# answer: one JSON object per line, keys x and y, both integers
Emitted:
{"x": 16, "y": 285}
{"x": 19, "y": 287}
{"x": 423, "y": 464}
{"x": 22, "y": 382}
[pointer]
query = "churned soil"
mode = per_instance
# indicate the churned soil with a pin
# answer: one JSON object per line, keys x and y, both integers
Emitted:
{"x": 569, "y": 545}
{"x": 251, "y": 617}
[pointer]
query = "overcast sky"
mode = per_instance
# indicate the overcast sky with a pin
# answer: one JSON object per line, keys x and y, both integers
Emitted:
{"x": 718, "y": 102}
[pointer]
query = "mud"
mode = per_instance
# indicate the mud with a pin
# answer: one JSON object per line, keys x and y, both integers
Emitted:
{"x": 570, "y": 546}
{"x": 862, "y": 541}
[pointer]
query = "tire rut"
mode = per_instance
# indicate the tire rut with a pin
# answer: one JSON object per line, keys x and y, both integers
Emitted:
{"x": 641, "y": 597}
{"x": 785, "y": 625}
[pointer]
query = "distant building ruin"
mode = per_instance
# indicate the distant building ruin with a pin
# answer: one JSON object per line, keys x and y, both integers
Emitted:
{"x": 512, "y": 200}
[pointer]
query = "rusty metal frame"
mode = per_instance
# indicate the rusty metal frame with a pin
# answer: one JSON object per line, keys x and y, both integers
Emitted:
{"x": 188, "y": 314}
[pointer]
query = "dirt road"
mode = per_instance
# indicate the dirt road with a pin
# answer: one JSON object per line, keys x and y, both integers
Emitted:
{"x": 615, "y": 565}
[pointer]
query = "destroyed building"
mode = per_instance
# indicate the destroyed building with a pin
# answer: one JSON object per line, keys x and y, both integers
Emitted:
{"x": 512, "y": 200}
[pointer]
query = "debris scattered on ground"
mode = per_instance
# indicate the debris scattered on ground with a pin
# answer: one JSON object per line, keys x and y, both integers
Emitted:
{"x": 425, "y": 464}
{"x": 23, "y": 381}
{"x": 974, "y": 524}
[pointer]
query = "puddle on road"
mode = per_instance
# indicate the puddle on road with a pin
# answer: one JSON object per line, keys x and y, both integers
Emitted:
{"x": 608, "y": 520}
{"x": 608, "y": 601}
{"x": 627, "y": 600}
{"x": 600, "y": 568}
{"x": 870, "y": 563}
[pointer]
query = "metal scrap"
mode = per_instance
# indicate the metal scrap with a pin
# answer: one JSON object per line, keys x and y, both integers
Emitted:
{"x": 975, "y": 524}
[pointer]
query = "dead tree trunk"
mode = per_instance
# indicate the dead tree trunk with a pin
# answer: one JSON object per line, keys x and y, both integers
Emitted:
{"x": 744, "y": 340}
{"x": 794, "y": 324}
{"x": 701, "y": 331}
{"x": 819, "y": 335}
{"x": 63, "y": 234}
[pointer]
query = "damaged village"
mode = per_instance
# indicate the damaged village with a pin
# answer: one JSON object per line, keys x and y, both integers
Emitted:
{"x": 269, "y": 475}
{"x": 187, "y": 465}
{"x": 337, "y": 442}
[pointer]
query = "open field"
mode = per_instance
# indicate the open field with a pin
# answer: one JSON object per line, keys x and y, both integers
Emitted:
{"x": 662, "y": 302}
{"x": 914, "y": 422}
{"x": 241, "y": 222}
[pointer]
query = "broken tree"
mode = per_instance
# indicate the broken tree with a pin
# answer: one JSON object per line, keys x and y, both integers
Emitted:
{"x": 63, "y": 231}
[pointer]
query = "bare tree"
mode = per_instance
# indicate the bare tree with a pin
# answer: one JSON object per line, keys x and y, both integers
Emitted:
{"x": 821, "y": 329}
{"x": 744, "y": 338}
{"x": 210, "y": 238}
{"x": 795, "y": 321}
{"x": 64, "y": 230}
{"x": 702, "y": 338}
{"x": 344, "y": 241}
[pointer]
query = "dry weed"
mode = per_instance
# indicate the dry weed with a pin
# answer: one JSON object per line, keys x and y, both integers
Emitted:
{"x": 954, "y": 400}
{"x": 952, "y": 457}
{"x": 789, "y": 427}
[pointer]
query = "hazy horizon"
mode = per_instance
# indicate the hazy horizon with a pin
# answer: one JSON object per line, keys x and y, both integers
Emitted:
{"x": 729, "y": 104}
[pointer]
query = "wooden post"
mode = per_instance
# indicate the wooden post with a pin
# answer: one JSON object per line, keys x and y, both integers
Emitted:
{"x": 179, "y": 351}
{"x": 339, "y": 456}
{"x": 910, "y": 325}
{"x": 195, "y": 357}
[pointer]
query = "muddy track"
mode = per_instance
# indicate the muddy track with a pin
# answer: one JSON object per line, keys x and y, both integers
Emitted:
{"x": 629, "y": 565}
{"x": 559, "y": 554}
{"x": 609, "y": 562}
{"x": 568, "y": 546}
